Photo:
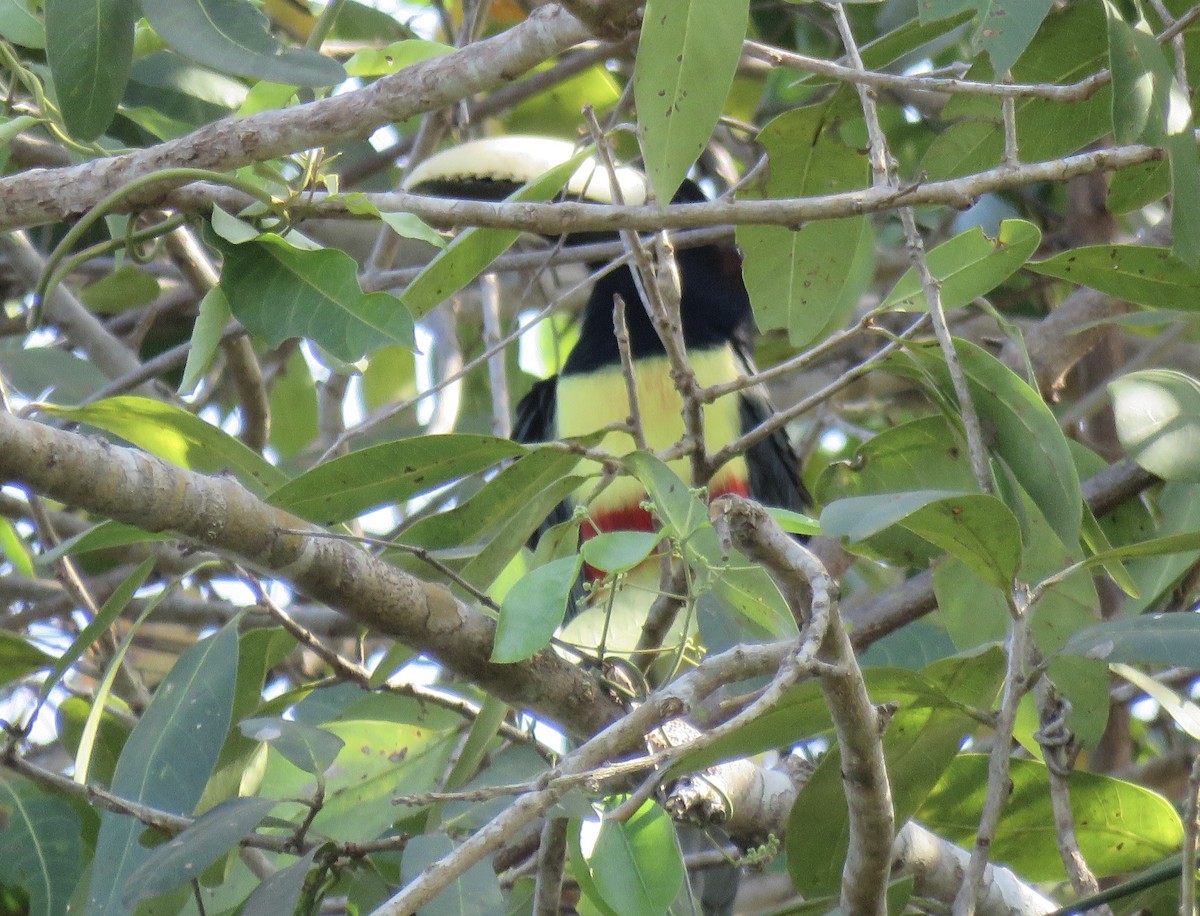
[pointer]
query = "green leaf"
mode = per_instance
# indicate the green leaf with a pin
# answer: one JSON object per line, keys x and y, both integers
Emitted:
{"x": 21, "y": 27}
{"x": 1027, "y": 435}
{"x": 635, "y": 866}
{"x": 795, "y": 522}
{"x": 18, "y": 658}
{"x": 506, "y": 496}
{"x": 280, "y": 291}
{"x": 387, "y": 474}
{"x": 395, "y": 57}
{"x": 99, "y": 537}
{"x": 125, "y": 288}
{"x": 1158, "y": 421}
{"x": 687, "y": 56}
{"x": 214, "y": 316}
{"x": 474, "y": 249}
{"x": 1006, "y": 27}
{"x": 305, "y": 746}
{"x": 1185, "y": 195}
{"x": 1150, "y": 106}
{"x": 1070, "y": 45}
{"x": 924, "y": 454}
{"x": 1120, "y": 827}
{"x": 676, "y": 504}
{"x": 89, "y": 46}
{"x": 112, "y": 607}
{"x": 168, "y": 758}
{"x": 1137, "y": 187}
{"x": 533, "y": 609}
{"x": 824, "y": 268}
{"x": 1153, "y": 277}
{"x": 506, "y": 542}
{"x": 13, "y": 548}
{"x": 619, "y": 551}
{"x": 968, "y": 266}
{"x": 1156, "y": 575}
{"x": 184, "y": 857}
{"x": 382, "y": 758}
{"x": 39, "y": 372}
{"x": 41, "y": 850}
{"x": 280, "y": 892}
{"x": 1151, "y": 639}
{"x": 177, "y": 436}
{"x": 231, "y": 36}
{"x": 108, "y": 740}
{"x": 293, "y": 407}
{"x": 978, "y": 529}
{"x": 408, "y": 225}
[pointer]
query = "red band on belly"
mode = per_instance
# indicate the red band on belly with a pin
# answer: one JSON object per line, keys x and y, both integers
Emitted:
{"x": 634, "y": 517}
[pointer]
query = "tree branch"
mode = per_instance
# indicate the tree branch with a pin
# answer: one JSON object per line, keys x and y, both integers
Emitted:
{"x": 219, "y": 514}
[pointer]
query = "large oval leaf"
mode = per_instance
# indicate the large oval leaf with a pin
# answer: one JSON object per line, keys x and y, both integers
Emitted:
{"x": 177, "y": 436}
{"x": 687, "y": 55}
{"x": 168, "y": 758}
{"x": 636, "y": 866}
{"x": 1120, "y": 827}
{"x": 1153, "y": 277}
{"x": 1158, "y": 421}
{"x": 184, "y": 857}
{"x": 231, "y": 36}
{"x": 280, "y": 291}
{"x": 802, "y": 279}
{"x": 534, "y": 608}
{"x": 1027, "y": 435}
{"x": 969, "y": 265}
{"x": 89, "y": 46}
{"x": 976, "y": 528}
{"x": 41, "y": 848}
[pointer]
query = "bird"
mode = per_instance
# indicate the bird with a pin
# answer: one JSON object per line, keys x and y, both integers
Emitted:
{"x": 589, "y": 393}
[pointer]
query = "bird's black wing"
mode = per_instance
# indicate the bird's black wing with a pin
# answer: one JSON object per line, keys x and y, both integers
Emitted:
{"x": 772, "y": 462}
{"x": 535, "y": 412}
{"x": 535, "y": 422}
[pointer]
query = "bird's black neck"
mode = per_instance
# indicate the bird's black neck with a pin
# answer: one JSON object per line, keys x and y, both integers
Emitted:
{"x": 714, "y": 308}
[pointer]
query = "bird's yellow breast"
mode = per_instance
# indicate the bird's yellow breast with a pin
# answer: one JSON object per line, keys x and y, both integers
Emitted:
{"x": 593, "y": 400}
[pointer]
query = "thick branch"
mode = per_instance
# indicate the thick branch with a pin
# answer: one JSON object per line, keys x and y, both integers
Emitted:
{"x": 37, "y": 196}
{"x": 219, "y": 514}
{"x": 856, "y": 721}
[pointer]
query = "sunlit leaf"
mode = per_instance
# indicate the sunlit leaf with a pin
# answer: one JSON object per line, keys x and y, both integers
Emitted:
{"x": 176, "y": 435}
{"x": 533, "y": 609}
{"x": 968, "y": 266}
{"x": 1158, "y": 421}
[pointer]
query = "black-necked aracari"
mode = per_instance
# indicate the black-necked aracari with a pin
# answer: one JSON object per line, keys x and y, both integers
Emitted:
{"x": 590, "y": 393}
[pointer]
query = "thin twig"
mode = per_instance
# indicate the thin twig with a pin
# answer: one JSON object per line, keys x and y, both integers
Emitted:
{"x": 1191, "y": 827}
{"x": 621, "y": 329}
{"x": 998, "y": 785}
{"x": 884, "y": 175}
